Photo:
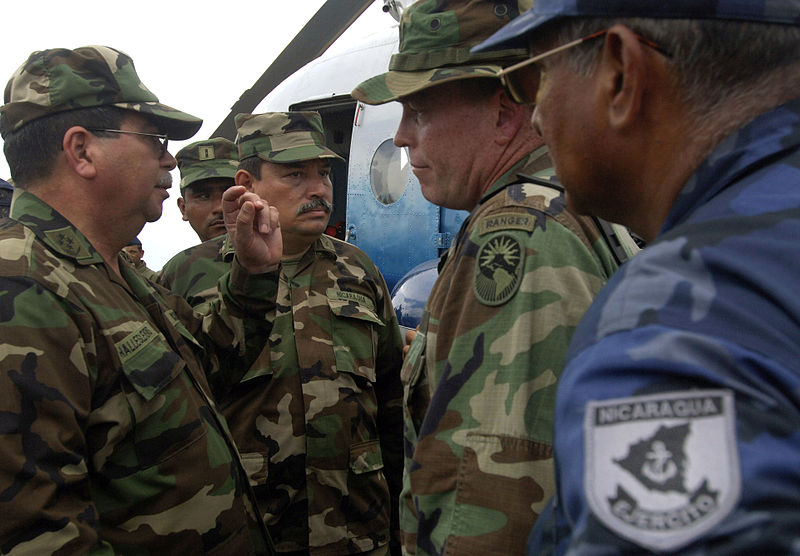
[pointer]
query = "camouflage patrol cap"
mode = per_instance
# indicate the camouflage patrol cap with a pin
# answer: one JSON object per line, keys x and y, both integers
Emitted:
{"x": 60, "y": 79}
{"x": 435, "y": 41}
{"x": 546, "y": 11}
{"x": 282, "y": 137}
{"x": 213, "y": 158}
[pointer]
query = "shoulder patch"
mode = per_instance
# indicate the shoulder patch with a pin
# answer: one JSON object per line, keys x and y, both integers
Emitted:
{"x": 498, "y": 270}
{"x": 661, "y": 470}
{"x": 506, "y": 221}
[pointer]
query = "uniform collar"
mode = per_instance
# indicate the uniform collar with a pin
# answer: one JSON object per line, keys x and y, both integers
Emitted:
{"x": 770, "y": 134}
{"x": 529, "y": 164}
{"x": 53, "y": 229}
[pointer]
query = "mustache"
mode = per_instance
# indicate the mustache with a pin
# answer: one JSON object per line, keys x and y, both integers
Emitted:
{"x": 315, "y": 204}
{"x": 165, "y": 180}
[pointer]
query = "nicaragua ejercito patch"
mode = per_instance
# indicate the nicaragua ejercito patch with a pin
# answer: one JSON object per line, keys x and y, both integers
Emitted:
{"x": 498, "y": 269}
{"x": 661, "y": 470}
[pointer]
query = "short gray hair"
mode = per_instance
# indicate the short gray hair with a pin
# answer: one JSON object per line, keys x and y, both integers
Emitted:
{"x": 712, "y": 60}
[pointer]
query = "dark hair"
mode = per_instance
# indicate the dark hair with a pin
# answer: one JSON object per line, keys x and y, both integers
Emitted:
{"x": 31, "y": 151}
{"x": 252, "y": 164}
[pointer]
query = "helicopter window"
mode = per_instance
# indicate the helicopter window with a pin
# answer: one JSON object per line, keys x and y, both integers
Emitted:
{"x": 388, "y": 173}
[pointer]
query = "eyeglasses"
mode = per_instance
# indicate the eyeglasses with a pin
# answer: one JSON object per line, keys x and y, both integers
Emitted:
{"x": 522, "y": 86}
{"x": 160, "y": 140}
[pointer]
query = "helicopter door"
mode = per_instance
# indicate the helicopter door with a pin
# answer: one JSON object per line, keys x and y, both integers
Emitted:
{"x": 387, "y": 216}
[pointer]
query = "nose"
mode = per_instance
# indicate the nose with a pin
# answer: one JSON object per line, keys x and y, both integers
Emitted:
{"x": 168, "y": 161}
{"x": 321, "y": 186}
{"x": 402, "y": 136}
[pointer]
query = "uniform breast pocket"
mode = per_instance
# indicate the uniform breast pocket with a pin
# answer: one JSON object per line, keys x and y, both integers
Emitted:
{"x": 355, "y": 338}
{"x": 166, "y": 408}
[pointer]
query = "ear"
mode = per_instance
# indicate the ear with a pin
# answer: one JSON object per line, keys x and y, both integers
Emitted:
{"x": 510, "y": 117}
{"x": 80, "y": 150}
{"x": 182, "y": 208}
{"x": 622, "y": 76}
{"x": 245, "y": 178}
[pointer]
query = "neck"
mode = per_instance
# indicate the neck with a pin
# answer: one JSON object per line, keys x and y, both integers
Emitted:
{"x": 294, "y": 248}
{"x": 516, "y": 150}
{"x": 107, "y": 237}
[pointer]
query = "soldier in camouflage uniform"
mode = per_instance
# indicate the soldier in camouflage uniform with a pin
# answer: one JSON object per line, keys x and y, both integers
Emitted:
{"x": 678, "y": 417}
{"x": 318, "y": 417}
{"x": 111, "y": 443}
{"x": 207, "y": 169}
{"x": 135, "y": 252}
{"x": 480, "y": 375}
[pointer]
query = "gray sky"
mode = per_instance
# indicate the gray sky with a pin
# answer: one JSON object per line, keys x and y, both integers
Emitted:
{"x": 197, "y": 56}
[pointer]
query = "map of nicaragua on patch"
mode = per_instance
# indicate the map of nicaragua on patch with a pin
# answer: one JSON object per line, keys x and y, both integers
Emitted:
{"x": 661, "y": 470}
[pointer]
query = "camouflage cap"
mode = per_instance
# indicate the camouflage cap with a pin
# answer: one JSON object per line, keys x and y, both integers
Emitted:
{"x": 435, "y": 41}
{"x": 546, "y": 11}
{"x": 60, "y": 79}
{"x": 282, "y": 137}
{"x": 213, "y": 158}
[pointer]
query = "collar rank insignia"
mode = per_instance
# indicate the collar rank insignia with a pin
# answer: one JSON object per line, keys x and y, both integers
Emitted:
{"x": 67, "y": 242}
{"x": 498, "y": 269}
{"x": 663, "y": 469}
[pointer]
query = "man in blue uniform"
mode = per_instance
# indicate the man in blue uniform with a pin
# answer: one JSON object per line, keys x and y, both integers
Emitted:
{"x": 678, "y": 413}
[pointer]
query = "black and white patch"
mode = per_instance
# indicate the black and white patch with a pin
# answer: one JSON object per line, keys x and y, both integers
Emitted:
{"x": 498, "y": 270}
{"x": 663, "y": 469}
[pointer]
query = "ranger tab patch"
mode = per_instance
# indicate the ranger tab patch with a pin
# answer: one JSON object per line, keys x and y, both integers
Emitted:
{"x": 498, "y": 270}
{"x": 506, "y": 221}
{"x": 663, "y": 469}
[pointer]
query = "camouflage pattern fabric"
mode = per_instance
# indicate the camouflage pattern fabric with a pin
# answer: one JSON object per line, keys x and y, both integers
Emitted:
{"x": 147, "y": 273}
{"x": 434, "y": 47}
{"x": 318, "y": 416}
{"x": 480, "y": 376}
{"x": 282, "y": 137}
{"x": 682, "y": 385}
{"x": 111, "y": 441}
{"x": 213, "y": 158}
{"x": 194, "y": 272}
{"x": 60, "y": 79}
{"x": 141, "y": 266}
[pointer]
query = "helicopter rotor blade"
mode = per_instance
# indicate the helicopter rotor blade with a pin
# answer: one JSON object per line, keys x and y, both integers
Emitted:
{"x": 327, "y": 25}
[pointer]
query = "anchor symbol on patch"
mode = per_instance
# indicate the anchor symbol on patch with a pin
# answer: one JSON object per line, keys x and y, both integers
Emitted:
{"x": 659, "y": 466}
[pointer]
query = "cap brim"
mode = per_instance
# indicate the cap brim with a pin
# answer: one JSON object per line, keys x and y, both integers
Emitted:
{"x": 514, "y": 34}
{"x": 300, "y": 154}
{"x": 394, "y": 85}
{"x": 176, "y": 124}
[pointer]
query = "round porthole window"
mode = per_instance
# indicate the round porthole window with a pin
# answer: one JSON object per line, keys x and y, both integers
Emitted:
{"x": 388, "y": 173}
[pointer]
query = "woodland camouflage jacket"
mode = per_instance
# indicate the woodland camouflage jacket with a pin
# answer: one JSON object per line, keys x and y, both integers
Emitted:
{"x": 318, "y": 416}
{"x": 480, "y": 377}
{"x": 111, "y": 442}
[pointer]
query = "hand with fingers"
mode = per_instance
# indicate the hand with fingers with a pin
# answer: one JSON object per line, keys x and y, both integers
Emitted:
{"x": 254, "y": 229}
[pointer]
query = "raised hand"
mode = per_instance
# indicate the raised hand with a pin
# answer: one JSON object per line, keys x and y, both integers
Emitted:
{"x": 254, "y": 229}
